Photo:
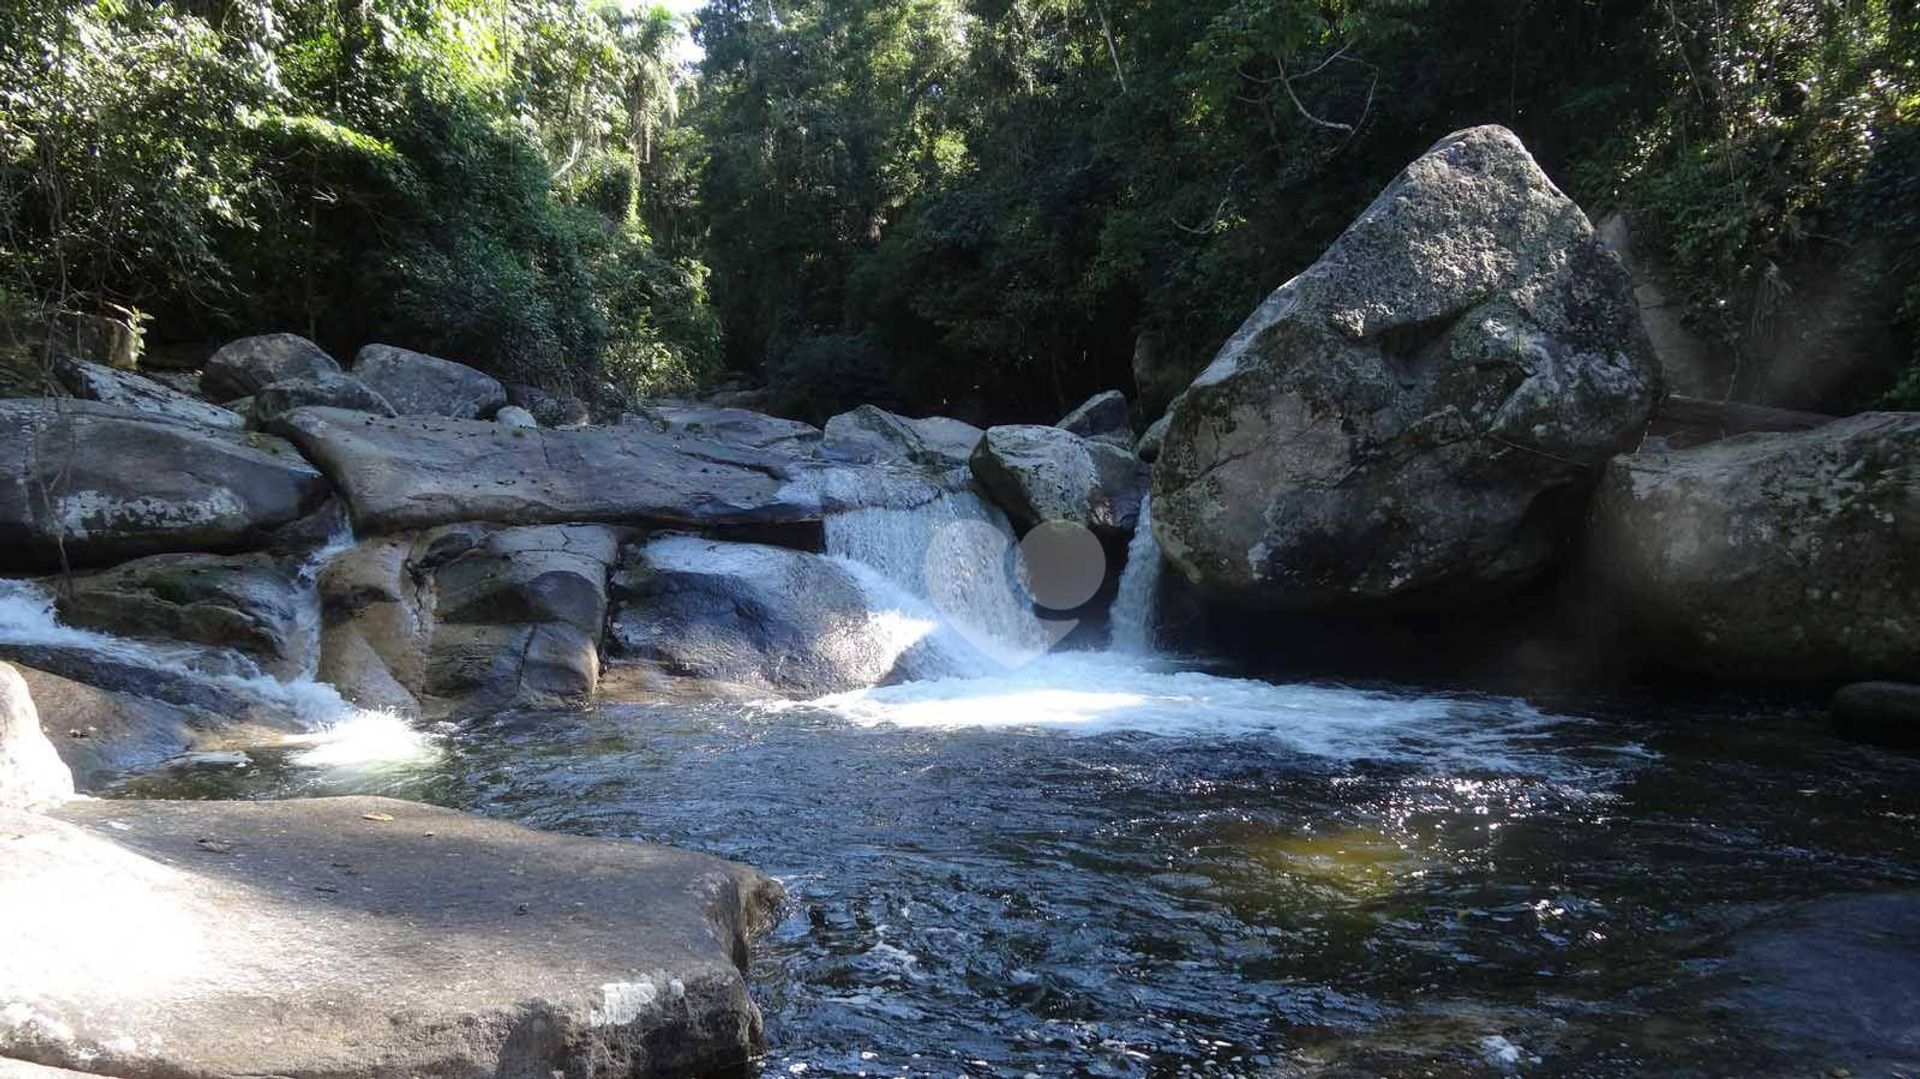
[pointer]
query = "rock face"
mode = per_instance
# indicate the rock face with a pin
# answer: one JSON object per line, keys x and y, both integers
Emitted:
{"x": 362, "y": 937}
{"x": 416, "y": 384}
{"x": 1772, "y": 556}
{"x": 404, "y": 474}
{"x": 762, "y": 617}
{"x": 106, "y": 484}
{"x": 241, "y": 368}
{"x": 135, "y": 393}
{"x": 1148, "y": 448}
{"x": 251, "y": 604}
{"x": 1102, "y": 418}
{"x": 32, "y": 775}
{"x": 333, "y": 391}
{"x": 731, "y": 426}
{"x": 1041, "y": 474}
{"x": 1416, "y": 419}
{"x": 102, "y": 735}
{"x": 869, "y": 435}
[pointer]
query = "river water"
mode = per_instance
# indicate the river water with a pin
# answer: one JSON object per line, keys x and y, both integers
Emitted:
{"x": 1127, "y": 864}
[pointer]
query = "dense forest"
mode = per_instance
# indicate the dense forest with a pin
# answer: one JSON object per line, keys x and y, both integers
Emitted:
{"x": 988, "y": 208}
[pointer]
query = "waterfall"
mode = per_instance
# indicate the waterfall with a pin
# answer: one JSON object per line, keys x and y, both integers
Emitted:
{"x": 1136, "y": 607}
{"x": 955, "y": 554}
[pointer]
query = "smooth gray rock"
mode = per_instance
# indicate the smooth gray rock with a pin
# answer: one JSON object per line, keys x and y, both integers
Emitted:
{"x": 365, "y": 938}
{"x": 1103, "y": 418}
{"x": 1416, "y": 419}
{"x": 398, "y": 475}
{"x": 732, "y": 426}
{"x": 32, "y": 775}
{"x": 1884, "y": 712}
{"x": 1041, "y": 474}
{"x": 333, "y": 391}
{"x": 764, "y": 617}
{"x": 136, "y": 393}
{"x": 1771, "y": 556}
{"x": 241, "y": 368}
{"x": 103, "y": 735}
{"x": 870, "y": 435}
{"x": 1148, "y": 448}
{"x": 102, "y": 484}
{"x": 252, "y": 604}
{"x": 416, "y": 384}
{"x": 515, "y": 416}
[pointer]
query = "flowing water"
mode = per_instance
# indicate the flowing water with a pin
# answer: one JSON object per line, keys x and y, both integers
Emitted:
{"x": 1125, "y": 864}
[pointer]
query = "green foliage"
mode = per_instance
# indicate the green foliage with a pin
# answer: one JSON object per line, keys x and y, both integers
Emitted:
{"x": 458, "y": 177}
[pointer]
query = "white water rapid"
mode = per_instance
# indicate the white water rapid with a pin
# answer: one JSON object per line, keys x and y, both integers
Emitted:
{"x": 1136, "y": 607}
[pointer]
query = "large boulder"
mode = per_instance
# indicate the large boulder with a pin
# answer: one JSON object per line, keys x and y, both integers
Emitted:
{"x": 253, "y": 604}
{"x": 1771, "y": 556}
{"x": 137, "y": 393}
{"x": 407, "y": 474}
{"x": 95, "y": 484}
{"x": 241, "y": 368}
{"x": 1416, "y": 419}
{"x": 768, "y": 618}
{"x": 416, "y": 384}
{"x": 732, "y": 426}
{"x": 103, "y": 735}
{"x": 1102, "y": 418}
{"x": 871, "y": 435}
{"x": 1040, "y": 474}
{"x": 358, "y": 938}
{"x": 333, "y": 391}
{"x": 32, "y": 775}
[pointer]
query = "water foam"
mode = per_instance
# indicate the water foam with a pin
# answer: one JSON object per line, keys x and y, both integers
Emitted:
{"x": 1135, "y": 608}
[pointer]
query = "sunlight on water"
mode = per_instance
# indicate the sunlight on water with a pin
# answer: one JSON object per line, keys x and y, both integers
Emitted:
{"x": 365, "y": 738}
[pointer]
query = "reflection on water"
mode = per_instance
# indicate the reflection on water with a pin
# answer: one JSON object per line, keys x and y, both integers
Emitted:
{"x": 1358, "y": 884}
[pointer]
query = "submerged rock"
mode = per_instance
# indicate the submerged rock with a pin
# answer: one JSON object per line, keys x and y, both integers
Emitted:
{"x": 334, "y": 391}
{"x": 241, "y": 368}
{"x": 32, "y": 775}
{"x": 251, "y": 604}
{"x": 1771, "y": 556}
{"x": 1415, "y": 419}
{"x": 136, "y": 393}
{"x": 763, "y": 617}
{"x": 872, "y": 435}
{"x": 416, "y": 384}
{"x": 404, "y": 474}
{"x": 98, "y": 484}
{"x": 1040, "y": 474}
{"x": 732, "y": 426}
{"x": 1102, "y": 418}
{"x": 363, "y": 937}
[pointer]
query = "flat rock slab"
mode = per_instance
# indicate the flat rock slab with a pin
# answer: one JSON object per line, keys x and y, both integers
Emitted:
{"x": 416, "y": 473}
{"x": 365, "y": 937}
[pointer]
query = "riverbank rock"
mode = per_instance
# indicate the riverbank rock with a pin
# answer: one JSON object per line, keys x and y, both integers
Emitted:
{"x": 32, "y": 775}
{"x": 102, "y": 484}
{"x": 1883, "y": 712}
{"x": 1102, "y": 418}
{"x": 241, "y": 368}
{"x": 362, "y": 937}
{"x": 515, "y": 416}
{"x": 405, "y": 474}
{"x": 870, "y": 435}
{"x": 1416, "y": 419}
{"x": 1040, "y": 474}
{"x": 136, "y": 393}
{"x": 333, "y": 391}
{"x": 731, "y": 426}
{"x": 765, "y": 617}
{"x": 416, "y": 384}
{"x": 1771, "y": 556}
{"x": 252, "y": 604}
{"x": 102, "y": 735}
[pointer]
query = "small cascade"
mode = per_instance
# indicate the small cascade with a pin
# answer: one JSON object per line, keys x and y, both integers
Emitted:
{"x": 956, "y": 555}
{"x": 307, "y": 580}
{"x": 1135, "y": 611}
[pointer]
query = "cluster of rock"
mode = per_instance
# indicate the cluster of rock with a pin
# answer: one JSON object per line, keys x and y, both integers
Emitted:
{"x": 1450, "y": 406}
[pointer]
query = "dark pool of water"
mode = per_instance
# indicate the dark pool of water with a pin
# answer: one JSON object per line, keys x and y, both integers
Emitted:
{"x": 1008, "y": 902}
